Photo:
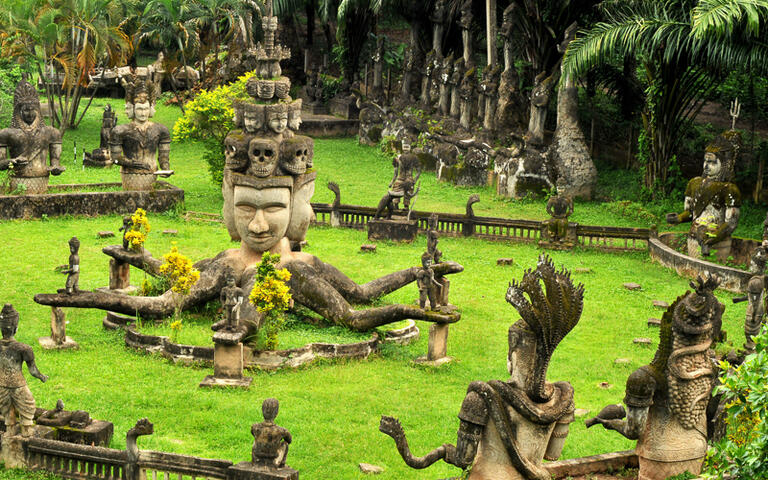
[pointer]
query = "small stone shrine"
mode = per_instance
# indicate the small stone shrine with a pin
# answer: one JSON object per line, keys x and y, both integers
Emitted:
{"x": 557, "y": 232}
{"x": 28, "y": 145}
{"x": 269, "y": 452}
{"x": 389, "y": 222}
{"x": 667, "y": 399}
{"x": 713, "y": 201}
{"x": 507, "y": 428}
{"x": 140, "y": 147}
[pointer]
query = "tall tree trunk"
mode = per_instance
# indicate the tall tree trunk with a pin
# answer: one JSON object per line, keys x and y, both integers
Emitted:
{"x": 310, "y": 7}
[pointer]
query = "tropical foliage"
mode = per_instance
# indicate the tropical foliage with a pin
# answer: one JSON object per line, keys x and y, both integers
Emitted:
{"x": 271, "y": 296}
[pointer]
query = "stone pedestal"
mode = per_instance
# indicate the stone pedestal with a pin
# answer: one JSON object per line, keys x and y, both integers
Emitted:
{"x": 12, "y": 452}
{"x": 137, "y": 181}
{"x": 396, "y": 229}
{"x": 28, "y": 185}
{"x": 227, "y": 362}
{"x": 119, "y": 274}
{"x": 58, "y": 339}
{"x": 437, "y": 348}
{"x": 567, "y": 243}
{"x": 249, "y": 471}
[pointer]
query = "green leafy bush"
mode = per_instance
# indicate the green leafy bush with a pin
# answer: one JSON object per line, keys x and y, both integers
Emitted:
{"x": 10, "y": 74}
{"x": 209, "y": 118}
{"x": 743, "y": 453}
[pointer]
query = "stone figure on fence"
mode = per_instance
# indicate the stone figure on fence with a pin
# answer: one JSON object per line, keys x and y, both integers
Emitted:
{"x": 755, "y": 316}
{"x": 507, "y": 428}
{"x": 555, "y": 230}
{"x": 28, "y": 145}
{"x": 713, "y": 201}
{"x": 127, "y": 223}
{"x": 667, "y": 399}
{"x": 16, "y": 401}
{"x": 141, "y": 148}
{"x": 403, "y": 184}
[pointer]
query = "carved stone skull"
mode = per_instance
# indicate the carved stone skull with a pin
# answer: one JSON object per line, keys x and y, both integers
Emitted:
{"x": 263, "y": 156}
{"x": 296, "y": 154}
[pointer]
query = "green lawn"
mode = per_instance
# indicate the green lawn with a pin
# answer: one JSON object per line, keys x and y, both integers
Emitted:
{"x": 332, "y": 408}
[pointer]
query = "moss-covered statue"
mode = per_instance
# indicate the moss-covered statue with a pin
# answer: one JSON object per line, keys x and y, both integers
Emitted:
{"x": 507, "y": 428}
{"x": 28, "y": 144}
{"x": 555, "y": 231}
{"x": 712, "y": 201}
{"x": 667, "y": 399}
{"x": 269, "y": 183}
{"x": 141, "y": 148}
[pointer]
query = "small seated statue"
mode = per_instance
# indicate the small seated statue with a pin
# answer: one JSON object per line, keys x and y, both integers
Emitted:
{"x": 559, "y": 207}
{"x": 28, "y": 144}
{"x": 270, "y": 441}
{"x": 712, "y": 201}
{"x": 14, "y": 392}
{"x": 141, "y": 146}
{"x": 667, "y": 399}
{"x": 507, "y": 428}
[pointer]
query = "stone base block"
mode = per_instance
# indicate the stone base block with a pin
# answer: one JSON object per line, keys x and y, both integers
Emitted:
{"x": 398, "y": 230}
{"x": 228, "y": 360}
{"x": 137, "y": 181}
{"x": 249, "y": 471}
{"x": 12, "y": 452}
{"x": 243, "y": 382}
{"x": 424, "y": 360}
{"x": 28, "y": 185}
{"x": 98, "y": 433}
{"x": 49, "y": 343}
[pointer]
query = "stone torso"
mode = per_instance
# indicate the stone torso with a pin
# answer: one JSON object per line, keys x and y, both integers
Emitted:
{"x": 559, "y": 206}
{"x": 267, "y": 442}
{"x": 140, "y": 144}
{"x": 32, "y": 145}
{"x": 11, "y": 359}
{"x": 710, "y": 199}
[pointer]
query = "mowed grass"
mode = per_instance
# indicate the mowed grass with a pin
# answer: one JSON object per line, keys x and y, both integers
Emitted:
{"x": 332, "y": 408}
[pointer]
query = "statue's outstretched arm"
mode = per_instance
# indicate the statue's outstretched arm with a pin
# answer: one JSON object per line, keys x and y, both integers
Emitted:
{"x": 312, "y": 289}
{"x": 367, "y": 292}
{"x": 142, "y": 259}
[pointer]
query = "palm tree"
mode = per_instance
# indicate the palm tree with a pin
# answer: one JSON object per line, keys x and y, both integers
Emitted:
{"x": 680, "y": 66}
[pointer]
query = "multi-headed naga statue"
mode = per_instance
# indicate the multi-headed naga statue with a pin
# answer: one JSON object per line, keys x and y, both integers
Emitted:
{"x": 667, "y": 399}
{"x": 268, "y": 185}
{"x": 507, "y": 428}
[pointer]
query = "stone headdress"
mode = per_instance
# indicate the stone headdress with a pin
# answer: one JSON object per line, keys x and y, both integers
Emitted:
{"x": 25, "y": 94}
{"x": 238, "y": 179}
{"x": 726, "y": 146}
{"x": 139, "y": 90}
{"x": 550, "y": 314}
{"x": 9, "y": 316}
{"x": 241, "y": 107}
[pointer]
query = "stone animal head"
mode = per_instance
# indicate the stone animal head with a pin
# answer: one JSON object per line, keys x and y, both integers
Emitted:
{"x": 263, "y": 156}
{"x": 296, "y": 154}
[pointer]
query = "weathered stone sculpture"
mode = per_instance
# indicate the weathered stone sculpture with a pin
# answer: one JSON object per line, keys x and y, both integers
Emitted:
{"x": 403, "y": 184}
{"x": 438, "y": 18}
{"x": 378, "y": 70}
{"x": 409, "y": 74}
{"x": 445, "y": 87}
{"x": 28, "y": 144}
{"x": 556, "y": 231}
{"x": 16, "y": 401}
{"x": 465, "y": 22}
{"x": 467, "y": 95}
{"x": 426, "y": 81}
{"x": 542, "y": 89}
{"x": 712, "y": 201}
{"x": 509, "y": 105}
{"x": 507, "y": 428}
{"x": 73, "y": 270}
{"x": 753, "y": 323}
{"x": 667, "y": 399}
{"x": 140, "y": 147}
{"x": 127, "y": 222}
{"x": 101, "y": 156}
{"x": 456, "y": 78}
{"x": 231, "y": 300}
{"x": 425, "y": 280}
{"x": 491, "y": 98}
{"x": 266, "y": 214}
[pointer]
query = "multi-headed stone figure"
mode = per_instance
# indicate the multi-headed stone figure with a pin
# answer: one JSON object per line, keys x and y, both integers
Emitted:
{"x": 507, "y": 428}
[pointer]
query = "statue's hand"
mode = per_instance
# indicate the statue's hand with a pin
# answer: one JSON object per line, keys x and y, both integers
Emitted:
{"x": 673, "y": 219}
{"x": 57, "y": 170}
{"x": 20, "y": 161}
{"x": 43, "y": 378}
{"x": 164, "y": 173}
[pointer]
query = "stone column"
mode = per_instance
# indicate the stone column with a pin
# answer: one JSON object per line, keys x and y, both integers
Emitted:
{"x": 227, "y": 361}
{"x": 58, "y": 339}
{"x": 490, "y": 9}
{"x": 119, "y": 274}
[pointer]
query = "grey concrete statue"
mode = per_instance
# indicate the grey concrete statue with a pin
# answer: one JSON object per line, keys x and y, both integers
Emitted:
{"x": 507, "y": 428}
{"x": 28, "y": 144}
{"x": 73, "y": 270}
{"x": 14, "y": 392}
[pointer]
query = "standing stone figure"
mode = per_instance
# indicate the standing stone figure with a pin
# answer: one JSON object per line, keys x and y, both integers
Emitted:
{"x": 28, "y": 144}
{"x": 456, "y": 78}
{"x": 753, "y": 323}
{"x": 378, "y": 70}
{"x": 465, "y": 22}
{"x": 445, "y": 85}
{"x": 507, "y": 428}
{"x": 73, "y": 270}
{"x": 491, "y": 94}
{"x": 467, "y": 94}
{"x": 408, "y": 75}
{"x": 712, "y": 201}
{"x": 667, "y": 399}
{"x": 509, "y": 104}
{"x": 438, "y": 18}
{"x": 231, "y": 299}
{"x": 270, "y": 441}
{"x": 542, "y": 89}
{"x": 426, "y": 81}
{"x": 14, "y": 393}
{"x": 141, "y": 146}
{"x": 127, "y": 223}
{"x": 425, "y": 281}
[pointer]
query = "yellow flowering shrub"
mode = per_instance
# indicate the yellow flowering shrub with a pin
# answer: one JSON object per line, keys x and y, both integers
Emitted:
{"x": 178, "y": 269}
{"x": 139, "y": 230}
{"x": 271, "y": 296}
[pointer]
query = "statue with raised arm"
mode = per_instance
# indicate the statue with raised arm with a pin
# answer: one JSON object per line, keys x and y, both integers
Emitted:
{"x": 507, "y": 428}
{"x": 713, "y": 201}
{"x": 667, "y": 399}
{"x": 73, "y": 270}
{"x": 28, "y": 145}
{"x": 14, "y": 392}
{"x": 141, "y": 148}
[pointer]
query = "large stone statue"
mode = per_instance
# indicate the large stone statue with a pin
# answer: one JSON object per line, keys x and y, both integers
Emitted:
{"x": 542, "y": 89}
{"x": 100, "y": 157}
{"x": 467, "y": 93}
{"x": 438, "y": 18}
{"x": 445, "y": 86}
{"x": 28, "y": 144}
{"x": 712, "y": 201}
{"x": 267, "y": 190}
{"x": 14, "y": 392}
{"x": 507, "y": 428}
{"x": 456, "y": 77}
{"x": 667, "y": 399}
{"x": 142, "y": 147}
{"x": 465, "y": 22}
{"x": 509, "y": 107}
